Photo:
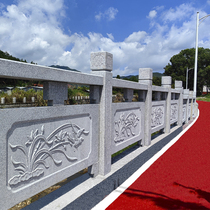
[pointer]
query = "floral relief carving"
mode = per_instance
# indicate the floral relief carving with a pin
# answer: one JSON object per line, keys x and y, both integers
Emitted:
{"x": 174, "y": 111}
{"x": 38, "y": 148}
{"x": 183, "y": 113}
{"x": 189, "y": 110}
{"x": 157, "y": 116}
{"x": 124, "y": 127}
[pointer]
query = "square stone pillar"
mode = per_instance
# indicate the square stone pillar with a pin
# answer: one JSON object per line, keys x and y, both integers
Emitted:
{"x": 195, "y": 106}
{"x": 55, "y": 93}
{"x": 166, "y": 82}
{"x": 102, "y": 64}
{"x": 178, "y": 86}
{"x": 145, "y": 77}
{"x": 192, "y": 108}
{"x": 186, "y": 96}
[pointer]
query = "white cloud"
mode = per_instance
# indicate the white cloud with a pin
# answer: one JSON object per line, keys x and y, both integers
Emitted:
{"x": 109, "y": 14}
{"x": 110, "y": 36}
{"x": 208, "y": 2}
{"x": 136, "y": 36}
{"x": 34, "y": 33}
{"x": 33, "y": 27}
{"x": 98, "y": 16}
{"x": 179, "y": 13}
{"x": 152, "y": 14}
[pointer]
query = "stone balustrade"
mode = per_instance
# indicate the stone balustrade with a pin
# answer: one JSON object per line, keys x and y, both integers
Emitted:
{"x": 41, "y": 146}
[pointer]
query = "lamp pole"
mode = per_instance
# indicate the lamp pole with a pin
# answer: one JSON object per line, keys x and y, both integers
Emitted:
{"x": 196, "y": 56}
{"x": 187, "y": 76}
{"x": 196, "y": 51}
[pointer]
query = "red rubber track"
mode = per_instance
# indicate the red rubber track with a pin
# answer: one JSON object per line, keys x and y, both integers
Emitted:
{"x": 180, "y": 178}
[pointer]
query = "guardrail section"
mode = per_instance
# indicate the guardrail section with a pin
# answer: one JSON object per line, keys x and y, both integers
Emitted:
{"x": 128, "y": 124}
{"x": 158, "y": 116}
{"x": 42, "y": 146}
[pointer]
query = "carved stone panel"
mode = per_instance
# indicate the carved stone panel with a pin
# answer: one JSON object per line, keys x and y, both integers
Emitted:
{"x": 41, "y": 146}
{"x": 127, "y": 125}
{"x": 157, "y": 116}
{"x": 37, "y": 150}
{"x": 189, "y": 110}
{"x": 174, "y": 113}
{"x": 184, "y": 113}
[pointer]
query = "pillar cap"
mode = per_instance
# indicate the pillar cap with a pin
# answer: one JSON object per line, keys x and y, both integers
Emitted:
{"x": 178, "y": 84}
{"x": 101, "y": 61}
{"x": 186, "y": 91}
{"x": 145, "y": 74}
{"x": 166, "y": 80}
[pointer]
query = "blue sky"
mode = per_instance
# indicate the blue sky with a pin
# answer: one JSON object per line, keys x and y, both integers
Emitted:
{"x": 138, "y": 33}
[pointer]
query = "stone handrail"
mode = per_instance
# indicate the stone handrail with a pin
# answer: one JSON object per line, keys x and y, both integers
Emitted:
{"x": 41, "y": 146}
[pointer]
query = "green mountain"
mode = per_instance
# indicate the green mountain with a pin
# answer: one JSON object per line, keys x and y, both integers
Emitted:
{"x": 6, "y": 55}
{"x": 157, "y": 74}
{"x": 63, "y": 67}
{"x": 132, "y": 77}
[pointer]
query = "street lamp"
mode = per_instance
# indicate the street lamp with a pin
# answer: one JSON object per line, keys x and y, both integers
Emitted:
{"x": 196, "y": 51}
{"x": 187, "y": 76}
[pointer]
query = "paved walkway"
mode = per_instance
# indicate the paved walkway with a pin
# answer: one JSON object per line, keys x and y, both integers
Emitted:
{"x": 178, "y": 177}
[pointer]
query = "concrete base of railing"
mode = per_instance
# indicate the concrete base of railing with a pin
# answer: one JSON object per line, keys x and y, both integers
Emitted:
{"x": 85, "y": 192}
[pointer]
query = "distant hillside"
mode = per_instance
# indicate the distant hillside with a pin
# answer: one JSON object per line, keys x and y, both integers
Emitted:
{"x": 157, "y": 74}
{"x": 63, "y": 67}
{"x": 6, "y": 55}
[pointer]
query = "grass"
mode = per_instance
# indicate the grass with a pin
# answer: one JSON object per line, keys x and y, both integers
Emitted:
{"x": 204, "y": 98}
{"x": 20, "y": 94}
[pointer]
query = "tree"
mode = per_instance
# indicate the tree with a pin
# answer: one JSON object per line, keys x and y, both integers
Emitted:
{"x": 186, "y": 59}
{"x": 156, "y": 81}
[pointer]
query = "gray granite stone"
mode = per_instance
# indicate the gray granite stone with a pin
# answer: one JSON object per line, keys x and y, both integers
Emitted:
{"x": 166, "y": 82}
{"x": 48, "y": 144}
{"x": 101, "y": 61}
{"x": 178, "y": 86}
{"x": 77, "y": 137}
{"x": 102, "y": 64}
{"x": 145, "y": 77}
{"x": 55, "y": 93}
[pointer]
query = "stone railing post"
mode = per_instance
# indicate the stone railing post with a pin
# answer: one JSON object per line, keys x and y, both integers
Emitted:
{"x": 166, "y": 82}
{"x": 195, "y": 106}
{"x": 191, "y": 111}
{"x": 145, "y": 77}
{"x": 102, "y": 64}
{"x": 186, "y": 96}
{"x": 55, "y": 93}
{"x": 178, "y": 86}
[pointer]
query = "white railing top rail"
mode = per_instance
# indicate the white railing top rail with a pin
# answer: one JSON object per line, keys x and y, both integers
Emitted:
{"x": 119, "y": 83}
{"x": 159, "y": 88}
{"x": 175, "y": 91}
{"x": 25, "y": 71}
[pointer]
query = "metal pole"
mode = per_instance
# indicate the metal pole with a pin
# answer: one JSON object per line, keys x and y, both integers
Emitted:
{"x": 196, "y": 56}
